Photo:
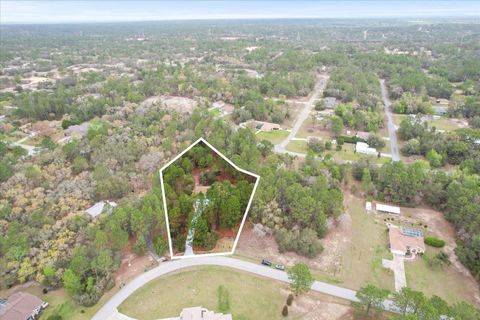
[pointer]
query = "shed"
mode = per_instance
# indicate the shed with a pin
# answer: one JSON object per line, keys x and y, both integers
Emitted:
{"x": 387, "y": 209}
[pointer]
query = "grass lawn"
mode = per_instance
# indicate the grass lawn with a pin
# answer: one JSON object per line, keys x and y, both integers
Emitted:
{"x": 306, "y": 130}
{"x": 362, "y": 260}
{"x": 251, "y": 297}
{"x": 443, "y": 123}
{"x": 274, "y": 137}
{"x": 297, "y": 146}
{"x": 445, "y": 283}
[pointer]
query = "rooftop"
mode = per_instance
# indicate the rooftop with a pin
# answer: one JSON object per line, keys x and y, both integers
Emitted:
{"x": 20, "y": 306}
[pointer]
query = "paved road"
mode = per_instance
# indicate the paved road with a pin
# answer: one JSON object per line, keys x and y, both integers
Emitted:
{"x": 109, "y": 308}
{"x": 317, "y": 91}
{"x": 390, "y": 124}
{"x": 31, "y": 150}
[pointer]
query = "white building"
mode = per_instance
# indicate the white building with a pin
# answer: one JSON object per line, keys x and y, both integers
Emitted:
{"x": 98, "y": 208}
{"x": 362, "y": 147}
{"x": 368, "y": 206}
{"x": 387, "y": 209}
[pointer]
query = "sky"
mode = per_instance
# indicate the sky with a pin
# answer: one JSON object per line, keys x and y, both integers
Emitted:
{"x": 117, "y": 11}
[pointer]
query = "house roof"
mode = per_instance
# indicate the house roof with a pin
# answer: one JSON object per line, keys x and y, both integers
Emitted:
{"x": 97, "y": 208}
{"x": 362, "y": 135}
{"x": 228, "y": 108}
{"x": 199, "y": 313}
{"x": 402, "y": 242}
{"x": 20, "y": 305}
{"x": 387, "y": 208}
{"x": 267, "y": 126}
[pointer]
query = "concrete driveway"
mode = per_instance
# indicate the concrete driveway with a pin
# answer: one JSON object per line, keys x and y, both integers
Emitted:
{"x": 398, "y": 267}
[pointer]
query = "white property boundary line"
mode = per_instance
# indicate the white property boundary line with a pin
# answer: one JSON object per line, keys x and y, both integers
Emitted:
{"x": 165, "y": 201}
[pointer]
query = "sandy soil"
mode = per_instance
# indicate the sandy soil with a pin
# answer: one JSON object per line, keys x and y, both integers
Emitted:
{"x": 266, "y": 247}
{"x": 133, "y": 265}
{"x": 313, "y": 306}
{"x": 179, "y": 104}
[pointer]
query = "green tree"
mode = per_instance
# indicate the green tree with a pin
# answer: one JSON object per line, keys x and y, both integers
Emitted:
{"x": 300, "y": 277}
{"x": 336, "y": 125}
{"x": 371, "y": 296}
{"x": 72, "y": 282}
{"x": 367, "y": 184}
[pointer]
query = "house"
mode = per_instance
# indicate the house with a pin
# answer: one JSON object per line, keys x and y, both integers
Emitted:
{"x": 440, "y": 110}
{"x": 387, "y": 209}
{"x": 362, "y": 135}
{"x": 22, "y": 306}
{"x": 199, "y": 313}
{"x": 362, "y": 147}
{"x": 99, "y": 207}
{"x": 405, "y": 241}
{"x": 325, "y": 113}
{"x": 267, "y": 126}
{"x": 226, "y": 108}
{"x": 77, "y": 131}
{"x": 330, "y": 102}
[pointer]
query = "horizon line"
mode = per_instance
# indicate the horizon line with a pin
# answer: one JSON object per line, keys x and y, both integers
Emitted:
{"x": 402, "y": 18}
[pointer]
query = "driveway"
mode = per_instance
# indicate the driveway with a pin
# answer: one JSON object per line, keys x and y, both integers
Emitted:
{"x": 390, "y": 124}
{"x": 111, "y": 306}
{"x": 398, "y": 267}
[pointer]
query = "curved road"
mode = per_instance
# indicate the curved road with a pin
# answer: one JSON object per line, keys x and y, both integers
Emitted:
{"x": 317, "y": 91}
{"x": 111, "y": 306}
{"x": 390, "y": 124}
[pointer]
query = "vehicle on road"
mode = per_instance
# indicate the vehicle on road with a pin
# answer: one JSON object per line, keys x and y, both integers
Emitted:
{"x": 280, "y": 267}
{"x": 266, "y": 263}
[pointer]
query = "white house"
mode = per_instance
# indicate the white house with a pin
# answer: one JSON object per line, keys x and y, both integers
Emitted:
{"x": 98, "y": 208}
{"x": 362, "y": 147}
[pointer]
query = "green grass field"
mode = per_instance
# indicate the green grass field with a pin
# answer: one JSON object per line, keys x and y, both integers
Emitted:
{"x": 297, "y": 146}
{"x": 443, "y": 282}
{"x": 362, "y": 260}
{"x": 251, "y": 297}
{"x": 274, "y": 137}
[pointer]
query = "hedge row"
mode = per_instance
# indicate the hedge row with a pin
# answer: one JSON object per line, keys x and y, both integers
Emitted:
{"x": 434, "y": 242}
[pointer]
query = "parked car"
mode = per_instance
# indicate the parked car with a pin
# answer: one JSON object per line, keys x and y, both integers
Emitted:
{"x": 280, "y": 267}
{"x": 266, "y": 263}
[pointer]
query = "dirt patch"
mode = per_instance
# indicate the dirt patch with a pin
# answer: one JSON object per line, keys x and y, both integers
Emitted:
{"x": 266, "y": 247}
{"x": 133, "y": 265}
{"x": 313, "y": 306}
{"x": 178, "y": 104}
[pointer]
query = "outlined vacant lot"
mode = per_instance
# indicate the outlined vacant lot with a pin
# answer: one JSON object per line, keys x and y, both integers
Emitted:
{"x": 206, "y": 198}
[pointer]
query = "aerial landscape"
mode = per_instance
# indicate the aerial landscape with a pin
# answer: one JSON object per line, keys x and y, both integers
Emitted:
{"x": 240, "y": 160}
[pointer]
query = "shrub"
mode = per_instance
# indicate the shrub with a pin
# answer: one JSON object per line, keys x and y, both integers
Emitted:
{"x": 290, "y": 299}
{"x": 285, "y": 311}
{"x": 434, "y": 242}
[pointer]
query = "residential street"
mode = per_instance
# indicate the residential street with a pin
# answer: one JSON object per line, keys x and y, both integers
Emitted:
{"x": 164, "y": 268}
{"x": 304, "y": 114}
{"x": 390, "y": 125}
